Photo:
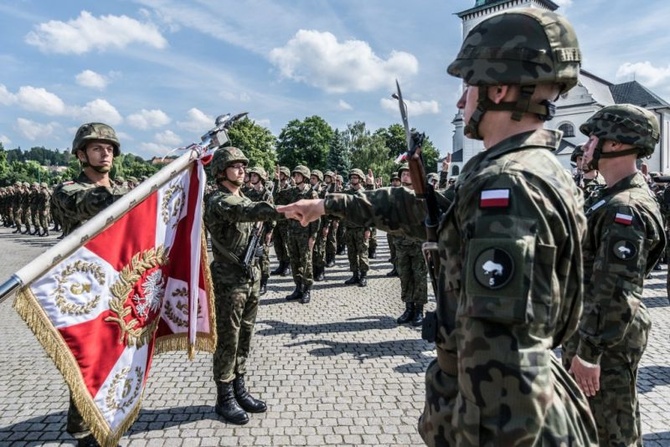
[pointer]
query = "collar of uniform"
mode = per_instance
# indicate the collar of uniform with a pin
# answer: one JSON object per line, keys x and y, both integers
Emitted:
{"x": 540, "y": 138}
{"x": 632, "y": 181}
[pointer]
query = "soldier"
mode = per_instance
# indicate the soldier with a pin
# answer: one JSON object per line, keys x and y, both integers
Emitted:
{"x": 372, "y": 240}
{"x": 229, "y": 218}
{"x": 282, "y": 196}
{"x": 33, "y": 205}
{"x": 411, "y": 268}
{"x": 258, "y": 192}
{"x": 587, "y": 178}
{"x": 395, "y": 182}
{"x": 624, "y": 241}
{"x": 357, "y": 237}
{"x": 95, "y": 145}
{"x": 319, "y": 254}
{"x": 341, "y": 228}
{"x": 333, "y": 223}
{"x": 300, "y": 241}
{"x": 510, "y": 285}
{"x": 19, "y": 203}
{"x": 43, "y": 209}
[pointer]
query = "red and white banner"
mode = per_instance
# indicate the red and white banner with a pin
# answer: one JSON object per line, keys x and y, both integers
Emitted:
{"x": 139, "y": 287}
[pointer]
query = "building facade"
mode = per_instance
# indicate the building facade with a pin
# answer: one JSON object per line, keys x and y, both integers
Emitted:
{"x": 573, "y": 108}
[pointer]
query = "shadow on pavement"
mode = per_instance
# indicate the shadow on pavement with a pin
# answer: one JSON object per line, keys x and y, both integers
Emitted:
{"x": 351, "y": 325}
{"x": 414, "y": 349}
{"x": 652, "y": 376}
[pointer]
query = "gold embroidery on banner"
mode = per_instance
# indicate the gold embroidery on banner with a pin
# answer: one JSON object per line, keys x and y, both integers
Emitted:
{"x": 76, "y": 288}
{"x": 128, "y": 277}
{"x": 170, "y": 313}
{"x": 121, "y": 379}
{"x": 177, "y": 195}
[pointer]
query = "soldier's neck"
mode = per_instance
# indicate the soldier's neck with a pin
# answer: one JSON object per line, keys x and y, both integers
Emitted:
{"x": 98, "y": 178}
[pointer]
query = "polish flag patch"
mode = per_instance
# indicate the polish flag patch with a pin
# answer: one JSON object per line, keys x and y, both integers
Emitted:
{"x": 494, "y": 198}
{"x": 623, "y": 219}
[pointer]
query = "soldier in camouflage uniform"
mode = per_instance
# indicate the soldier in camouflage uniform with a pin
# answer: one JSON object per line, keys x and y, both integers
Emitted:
{"x": 510, "y": 285}
{"x": 624, "y": 241}
{"x": 333, "y": 223}
{"x": 319, "y": 253}
{"x": 301, "y": 239}
{"x": 230, "y": 218}
{"x": 95, "y": 145}
{"x": 42, "y": 210}
{"x": 395, "y": 182}
{"x": 257, "y": 192}
{"x": 341, "y": 228}
{"x": 372, "y": 241}
{"x": 357, "y": 237}
{"x": 20, "y": 199}
{"x": 282, "y": 196}
{"x": 411, "y": 268}
{"x": 33, "y": 204}
{"x": 587, "y": 178}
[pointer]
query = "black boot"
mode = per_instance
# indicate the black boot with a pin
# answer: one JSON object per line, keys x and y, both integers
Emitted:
{"x": 296, "y": 295}
{"x": 353, "y": 280}
{"x": 287, "y": 270}
{"x": 87, "y": 441}
{"x": 330, "y": 261}
{"x": 418, "y": 315}
{"x": 393, "y": 272}
{"x": 363, "y": 281}
{"x": 280, "y": 269}
{"x": 306, "y": 295}
{"x": 17, "y": 230}
{"x": 264, "y": 285}
{"x": 372, "y": 254}
{"x": 246, "y": 400}
{"x": 408, "y": 315}
{"x": 319, "y": 274}
{"x": 227, "y": 406}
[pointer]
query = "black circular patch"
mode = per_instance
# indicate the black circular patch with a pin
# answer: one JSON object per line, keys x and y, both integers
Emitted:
{"x": 624, "y": 250}
{"x": 494, "y": 268}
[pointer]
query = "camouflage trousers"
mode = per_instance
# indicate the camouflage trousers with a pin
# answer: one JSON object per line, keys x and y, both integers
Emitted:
{"x": 412, "y": 271}
{"x": 616, "y": 407}
{"x": 331, "y": 240}
{"x": 35, "y": 217}
{"x": 449, "y": 420}
{"x": 280, "y": 240}
{"x": 391, "y": 243}
{"x": 301, "y": 258}
{"x": 236, "y": 307}
{"x": 372, "y": 243}
{"x": 264, "y": 260}
{"x": 319, "y": 255}
{"x": 357, "y": 249}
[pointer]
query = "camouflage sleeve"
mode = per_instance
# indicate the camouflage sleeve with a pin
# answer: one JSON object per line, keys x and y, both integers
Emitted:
{"x": 78, "y": 203}
{"x": 395, "y": 210}
{"x": 228, "y": 207}
{"x": 314, "y": 226}
{"x": 615, "y": 267}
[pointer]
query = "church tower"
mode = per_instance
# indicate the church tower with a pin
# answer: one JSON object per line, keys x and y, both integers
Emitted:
{"x": 465, "y": 148}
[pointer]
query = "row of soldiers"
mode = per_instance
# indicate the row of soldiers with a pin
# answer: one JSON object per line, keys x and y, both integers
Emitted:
{"x": 25, "y": 207}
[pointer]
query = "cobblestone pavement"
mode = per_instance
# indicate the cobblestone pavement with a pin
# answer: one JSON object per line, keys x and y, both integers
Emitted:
{"x": 335, "y": 372}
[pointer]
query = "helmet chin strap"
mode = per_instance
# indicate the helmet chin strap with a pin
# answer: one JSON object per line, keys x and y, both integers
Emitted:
{"x": 598, "y": 153}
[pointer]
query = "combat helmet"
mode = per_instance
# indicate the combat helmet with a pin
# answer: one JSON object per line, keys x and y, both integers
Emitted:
{"x": 258, "y": 170}
{"x": 302, "y": 170}
{"x": 625, "y": 123}
{"x": 395, "y": 176}
{"x": 403, "y": 167}
{"x": 525, "y": 47}
{"x": 43, "y": 185}
{"x": 225, "y": 157}
{"x": 317, "y": 173}
{"x": 357, "y": 172}
{"x": 95, "y": 131}
{"x": 330, "y": 174}
{"x": 284, "y": 170}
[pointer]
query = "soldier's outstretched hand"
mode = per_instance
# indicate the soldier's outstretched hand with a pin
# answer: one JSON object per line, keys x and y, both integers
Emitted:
{"x": 304, "y": 211}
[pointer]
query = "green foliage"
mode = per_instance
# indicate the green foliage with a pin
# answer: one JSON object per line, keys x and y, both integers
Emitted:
{"x": 44, "y": 157}
{"x": 257, "y": 143}
{"x": 339, "y": 156}
{"x": 305, "y": 142}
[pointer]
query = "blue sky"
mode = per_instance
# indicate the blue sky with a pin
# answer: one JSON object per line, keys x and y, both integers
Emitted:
{"x": 160, "y": 71}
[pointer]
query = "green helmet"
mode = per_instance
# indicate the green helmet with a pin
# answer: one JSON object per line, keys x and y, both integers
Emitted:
{"x": 395, "y": 176}
{"x": 330, "y": 174}
{"x": 403, "y": 167}
{"x": 44, "y": 185}
{"x": 225, "y": 157}
{"x": 432, "y": 177}
{"x": 302, "y": 170}
{"x": 339, "y": 178}
{"x": 357, "y": 172}
{"x": 626, "y": 124}
{"x": 258, "y": 170}
{"x": 524, "y": 46}
{"x": 577, "y": 152}
{"x": 95, "y": 131}
{"x": 133, "y": 180}
{"x": 317, "y": 173}
{"x": 284, "y": 170}
{"x": 26, "y": 185}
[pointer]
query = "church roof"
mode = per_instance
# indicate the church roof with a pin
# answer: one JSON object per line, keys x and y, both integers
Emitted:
{"x": 457, "y": 157}
{"x": 565, "y": 147}
{"x": 482, "y": 5}
{"x": 635, "y": 93}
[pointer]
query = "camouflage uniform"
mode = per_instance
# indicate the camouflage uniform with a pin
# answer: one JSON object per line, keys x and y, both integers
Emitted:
{"x": 624, "y": 241}
{"x": 262, "y": 194}
{"x": 319, "y": 252}
{"x": 43, "y": 209}
{"x": 282, "y": 196}
{"x": 298, "y": 241}
{"x": 333, "y": 224}
{"x": 357, "y": 239}
{"x": 510, "y": 286}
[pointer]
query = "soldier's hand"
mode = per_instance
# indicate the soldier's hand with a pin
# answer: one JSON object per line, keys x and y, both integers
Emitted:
{"x": 370, "y": 179}
{"x": 586, "y": 375}
{"x": 305, "y": 210}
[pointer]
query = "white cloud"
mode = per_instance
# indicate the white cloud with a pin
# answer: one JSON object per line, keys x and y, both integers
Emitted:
{"x": 168, "y": 138}
{"x": 318, "y": 59}
{"x": 147, "y": 119}
{"x": 414, "y": 108}
{"x": 33, "y": 130}
{"x": 37, "y": 99}
{"x": 4, "y": 139}
{"x": 91, "y": 79}
{"x": 644, "y": 72}
{"x": 99, "y": 110}
{"x": 87, "y": 33}
{"x": 343, "y": 105}
{"x": 196, "y": 121}
{"x": 563, "y": 3}
{"x": 156, "y": 148}
{"x": 6, "y": 97}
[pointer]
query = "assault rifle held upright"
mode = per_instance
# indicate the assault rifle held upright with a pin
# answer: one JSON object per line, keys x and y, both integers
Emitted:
{"x": 423, "y": 190}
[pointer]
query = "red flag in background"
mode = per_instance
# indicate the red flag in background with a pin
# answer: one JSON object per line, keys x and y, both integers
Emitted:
{"x": 139, "y": 287}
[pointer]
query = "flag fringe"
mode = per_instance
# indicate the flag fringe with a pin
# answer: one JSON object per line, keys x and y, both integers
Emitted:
{"x": 28, "y": 308}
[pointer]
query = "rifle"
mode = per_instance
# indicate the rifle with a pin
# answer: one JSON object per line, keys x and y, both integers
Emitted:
{"x": 423, "y": 190}
{"x": 253, "y": 250}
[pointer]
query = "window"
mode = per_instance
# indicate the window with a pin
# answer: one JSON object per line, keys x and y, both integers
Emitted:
{"x": 455, "y": 170}
{"x": 568, "y": 129}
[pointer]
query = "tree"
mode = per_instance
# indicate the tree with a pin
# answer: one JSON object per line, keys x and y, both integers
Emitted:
{"x": 305, "y": 143}
{"x": 257, "y": 143}
{"x": 339, "y": 156}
